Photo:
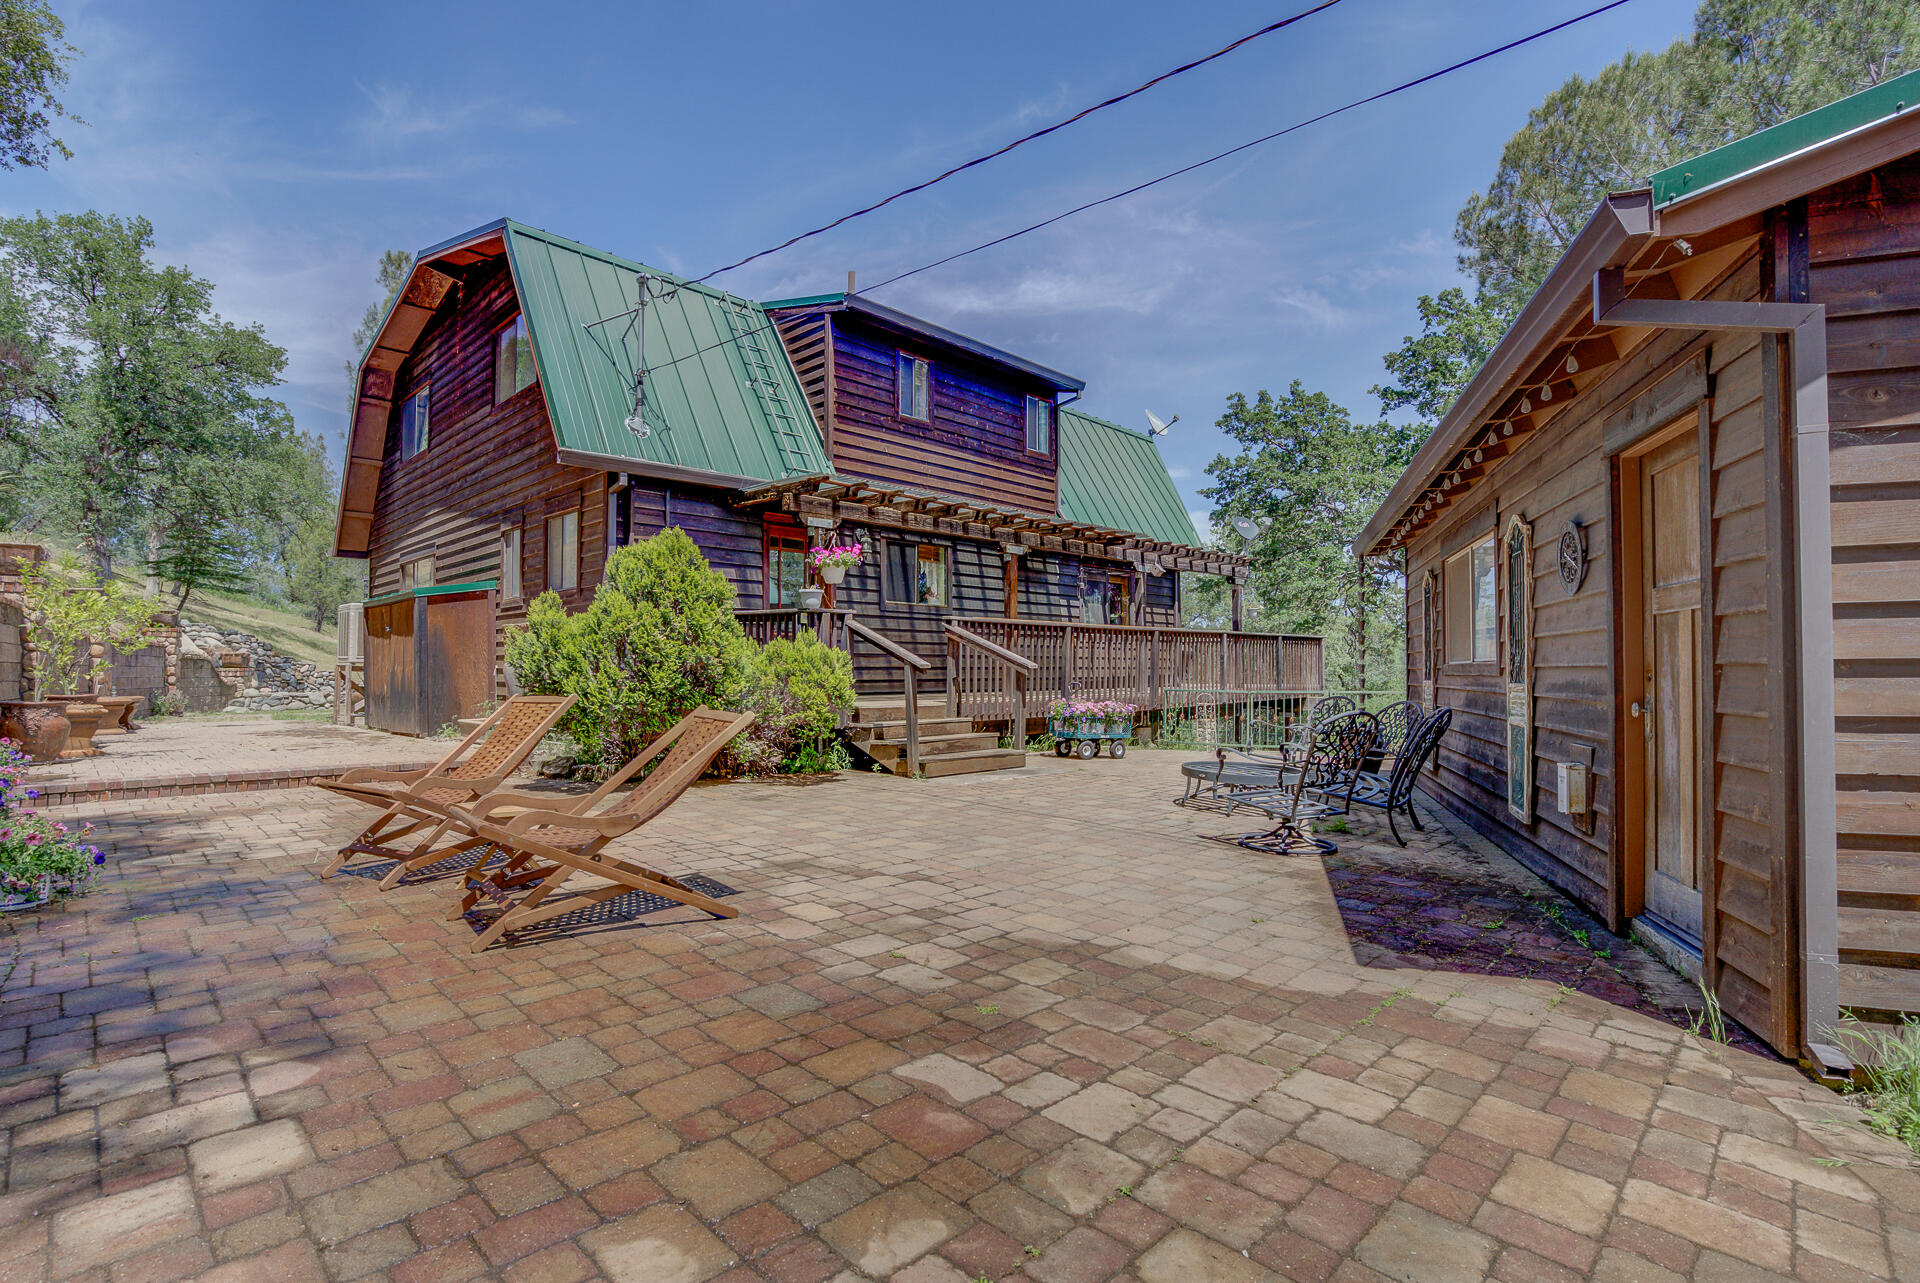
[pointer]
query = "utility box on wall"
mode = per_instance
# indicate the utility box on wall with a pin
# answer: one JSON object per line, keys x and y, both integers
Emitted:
{"x": 1574, "y": 788}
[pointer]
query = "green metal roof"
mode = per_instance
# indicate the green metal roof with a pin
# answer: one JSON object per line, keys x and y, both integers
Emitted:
{"x": 721, "y": 395}
{"x": 1756, "y": 151}
{"x": 1113, "y": 477}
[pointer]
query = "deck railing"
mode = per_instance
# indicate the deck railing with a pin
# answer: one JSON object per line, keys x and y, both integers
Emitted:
{"x": 763, "y": 625}
{"x": 1155, "y": 669}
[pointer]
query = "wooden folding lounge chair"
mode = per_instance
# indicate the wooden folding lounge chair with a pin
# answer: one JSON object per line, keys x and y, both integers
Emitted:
{"x": 478, "y": 764}
{"x": 546, "y": 846}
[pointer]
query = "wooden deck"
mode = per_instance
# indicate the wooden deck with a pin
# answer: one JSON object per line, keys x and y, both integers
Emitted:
{"x": 1148, "y": 667}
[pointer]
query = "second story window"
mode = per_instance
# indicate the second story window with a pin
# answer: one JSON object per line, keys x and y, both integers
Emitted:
{"x": 1039, "y": 426}
{"x": 413, "y": 423}
{"x": 912, "y": 376}
{"x": 512, "y": 360}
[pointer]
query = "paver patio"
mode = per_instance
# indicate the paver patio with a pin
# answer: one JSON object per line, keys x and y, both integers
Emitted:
{"x": 193, "y": 755}
{"x": 1027, "y": 1024}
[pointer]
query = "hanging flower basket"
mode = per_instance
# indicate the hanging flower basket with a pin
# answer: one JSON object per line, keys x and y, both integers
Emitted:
{"x": 832, "y": 564}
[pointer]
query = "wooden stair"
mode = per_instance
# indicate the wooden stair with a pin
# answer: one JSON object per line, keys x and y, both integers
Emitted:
{"x": 948, "y": 745}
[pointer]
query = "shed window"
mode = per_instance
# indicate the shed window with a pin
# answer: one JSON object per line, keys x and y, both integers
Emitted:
{"x": 417, "y": 573}
{"x": 413, "y": 423}
{"x": 916, "y": 574}
{"x": 1472, "y": 610}
{"x": 1039, "y": 425}
{"x": 512, "y": 360}
{"x": 563, "y": 551}
{"x": 911, "y": 377}
{"x": 510, "y": 563}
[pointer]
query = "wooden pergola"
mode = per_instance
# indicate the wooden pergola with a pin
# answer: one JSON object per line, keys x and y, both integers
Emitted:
{"x": 835, "y": 500}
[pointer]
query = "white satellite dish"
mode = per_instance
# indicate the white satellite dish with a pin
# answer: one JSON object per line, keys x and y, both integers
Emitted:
{"x": 1155, "y": 428}
{"x": 1246, "y": 527}
{"x": 638, "y": 426}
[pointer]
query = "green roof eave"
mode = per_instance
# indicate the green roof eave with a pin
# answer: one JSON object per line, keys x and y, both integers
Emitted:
{"x": 811, "y": 300}
{"x": 1788, "y": 138}
{"x": 434, "y": 590}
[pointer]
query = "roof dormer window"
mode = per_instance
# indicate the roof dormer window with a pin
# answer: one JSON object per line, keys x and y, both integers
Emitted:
{"x": 912, "y": 378}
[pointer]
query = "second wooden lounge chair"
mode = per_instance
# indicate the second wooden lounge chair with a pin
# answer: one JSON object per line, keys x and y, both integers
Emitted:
{"x": 545, "y": 847}
{"x": 478, "y": 764}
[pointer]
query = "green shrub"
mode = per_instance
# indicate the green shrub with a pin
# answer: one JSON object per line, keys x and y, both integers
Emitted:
{"x": 659, "y": 639}
{"x": 797, "y": 691}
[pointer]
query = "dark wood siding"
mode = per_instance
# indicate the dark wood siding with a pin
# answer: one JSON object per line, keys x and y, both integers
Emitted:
{"x": 974, "y": 447}
{"x": 732, "y": 541}
{"x": 485, "y": 466}
{"x": 1864, "y": 265}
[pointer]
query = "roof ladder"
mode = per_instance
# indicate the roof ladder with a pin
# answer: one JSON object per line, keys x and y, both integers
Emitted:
{"x": 794, "y": 441}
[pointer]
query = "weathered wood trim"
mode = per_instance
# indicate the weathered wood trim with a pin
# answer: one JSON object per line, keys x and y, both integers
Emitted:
{"x": 1654, "y": 410}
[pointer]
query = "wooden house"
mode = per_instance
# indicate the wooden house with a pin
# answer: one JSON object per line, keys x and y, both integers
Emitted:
{"x": 530, "y": 404}
{"x": 1663, "y": 558}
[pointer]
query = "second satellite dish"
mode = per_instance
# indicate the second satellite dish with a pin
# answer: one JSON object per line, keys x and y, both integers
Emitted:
{"x": 1246, "y": 527}
{"x": 1155, "y": 428}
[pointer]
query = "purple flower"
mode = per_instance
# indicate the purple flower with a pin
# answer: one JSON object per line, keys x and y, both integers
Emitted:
{"x": 97, "y": 857}
{"x": 34, "y": 839}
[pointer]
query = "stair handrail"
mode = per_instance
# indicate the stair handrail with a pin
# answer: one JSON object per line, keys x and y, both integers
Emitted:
{"x": 1016, "y": 667}
{"x": 910, "y": 664}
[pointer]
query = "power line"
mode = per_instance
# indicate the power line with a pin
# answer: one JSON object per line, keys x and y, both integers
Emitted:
{"x": 1267, "y": 138}
{"x": 1018, "y": 142}
{"x": 1187, "y": 169}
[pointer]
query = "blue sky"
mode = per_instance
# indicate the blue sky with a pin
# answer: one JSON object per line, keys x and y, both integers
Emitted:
{"x": 278, "y": 149}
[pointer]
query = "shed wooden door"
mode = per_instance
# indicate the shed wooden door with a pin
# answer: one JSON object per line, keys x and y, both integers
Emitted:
{"x": 1670, "y": 700}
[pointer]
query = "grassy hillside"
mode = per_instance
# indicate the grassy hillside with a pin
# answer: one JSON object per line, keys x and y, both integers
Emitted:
{"x": 290, "y": 632}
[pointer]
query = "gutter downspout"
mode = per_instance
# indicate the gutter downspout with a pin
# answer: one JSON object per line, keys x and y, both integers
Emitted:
{"x": 1805, "y": 324}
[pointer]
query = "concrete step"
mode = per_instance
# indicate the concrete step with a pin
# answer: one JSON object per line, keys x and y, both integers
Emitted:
{"x": 983, "y": 759}
{"x": 934, "y": 746}
{"x": 864, "y": 733}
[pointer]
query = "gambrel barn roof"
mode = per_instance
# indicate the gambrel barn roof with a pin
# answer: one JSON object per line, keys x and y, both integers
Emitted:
{"x": 722, "y": 404}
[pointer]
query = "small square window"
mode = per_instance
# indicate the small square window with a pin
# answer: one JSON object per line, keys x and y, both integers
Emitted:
{"x": 563, "y": 551}
{"x": 916, "y": 574}
{"x": 414, "y": 423}
{"x": 1472, "y": 611}
{"x": 417, "y": 573}
{"x": 510, "y": 563}
{"x": 512, "y": 360}
{"x": 911, "y": 377}
{"x": 1039, "y": 425}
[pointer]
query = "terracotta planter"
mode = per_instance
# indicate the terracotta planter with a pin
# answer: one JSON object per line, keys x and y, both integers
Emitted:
{"x": 119, "y": 713}
{"x": 85, "y": 719}
{"x": 40, "y": 727}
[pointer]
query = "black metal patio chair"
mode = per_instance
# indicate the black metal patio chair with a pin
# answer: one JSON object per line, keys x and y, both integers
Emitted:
{"x": 1395, "y": 792}
{"x": 1314, "y": 789}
